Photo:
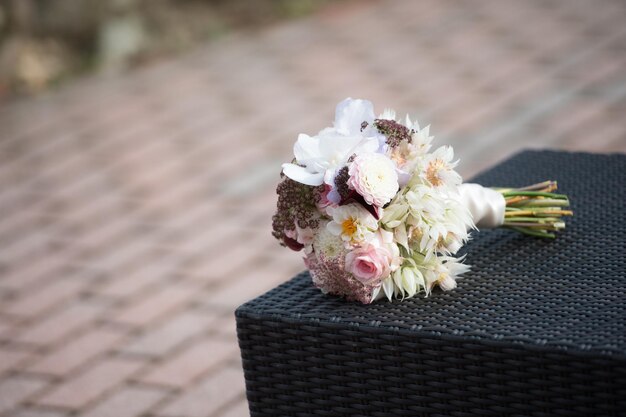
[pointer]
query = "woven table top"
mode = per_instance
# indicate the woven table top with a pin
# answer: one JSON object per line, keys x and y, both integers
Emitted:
{"x": 567, "y": 294}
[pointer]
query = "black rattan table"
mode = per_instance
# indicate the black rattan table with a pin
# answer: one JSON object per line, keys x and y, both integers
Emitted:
{"x": 538, "y": 327}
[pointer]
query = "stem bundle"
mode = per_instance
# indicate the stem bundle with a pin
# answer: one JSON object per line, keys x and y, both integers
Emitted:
{"x": 535, "y": 210}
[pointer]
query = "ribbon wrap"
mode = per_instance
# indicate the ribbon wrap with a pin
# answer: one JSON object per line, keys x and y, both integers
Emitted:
{"x": 486, "y": 205}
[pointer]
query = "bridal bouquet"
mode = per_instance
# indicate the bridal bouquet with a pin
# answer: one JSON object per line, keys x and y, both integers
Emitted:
{"x": 377, "y": 213}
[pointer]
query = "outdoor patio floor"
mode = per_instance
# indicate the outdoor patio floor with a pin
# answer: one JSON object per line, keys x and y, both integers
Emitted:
{"x": 135, "y": 210}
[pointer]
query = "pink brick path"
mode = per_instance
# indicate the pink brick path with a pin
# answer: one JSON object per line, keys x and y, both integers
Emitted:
{"x": 134, "y": 211}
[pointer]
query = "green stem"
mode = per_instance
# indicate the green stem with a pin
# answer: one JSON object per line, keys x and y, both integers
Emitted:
{"x": 516, "y": 193}
{"x": 539, "y": 211}
{"x": 538, "y": 186}
{"x": 532, "y": 219}
{"x": 544, "y": 202}
{"x": 536, "y": 233}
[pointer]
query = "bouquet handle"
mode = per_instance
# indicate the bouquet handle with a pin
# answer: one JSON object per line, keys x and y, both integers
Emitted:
{"x": 534, "y": 210}
{"x": 486, "y": 205}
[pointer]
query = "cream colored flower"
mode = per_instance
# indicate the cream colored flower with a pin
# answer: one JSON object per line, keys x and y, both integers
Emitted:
{"x": 409, "y": 279}
{"x": 421, "y": 138}
{"x": 443, "y": 271}
{"x": 328, "y": 246}
{"x": 353, "y": 223}
{"x": 439, "y": 168}
{"x": 395, "y": 213}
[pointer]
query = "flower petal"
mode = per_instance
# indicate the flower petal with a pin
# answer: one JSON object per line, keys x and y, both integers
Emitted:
{"x": 388, "y": 288}
{"x": 306, "y": 148}
{"x": 409, "y": 283}
{"x": 302, "y": 175}
{"x": 333, "y": 196}
{"x": 350, "y": 113}
{"x": 401, "y": 236}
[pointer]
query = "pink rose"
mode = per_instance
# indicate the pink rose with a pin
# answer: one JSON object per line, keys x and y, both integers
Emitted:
{"x": 369, "y": 264}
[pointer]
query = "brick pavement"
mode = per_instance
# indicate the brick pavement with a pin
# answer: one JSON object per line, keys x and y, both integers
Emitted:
{"x": 135, "y": 210}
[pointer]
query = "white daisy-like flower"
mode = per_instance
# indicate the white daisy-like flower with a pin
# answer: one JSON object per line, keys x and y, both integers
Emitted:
{"x": 437, "y": 221}
{"x": 353, "y": 223}
{"x": 424, "y": 202}
{"x": 457, "y": 220}
{"x": 415, "y": 216}
{"x": 374, "y": 177}
{"x": 439, "y": 168}
{"x": 443, "y": 271}
{"x": 405, "y": 157}
{"x": 409, "y": 153}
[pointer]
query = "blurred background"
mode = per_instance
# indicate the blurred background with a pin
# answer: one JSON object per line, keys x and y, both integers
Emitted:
{"x": 141, "y": 142}
{"x": 48, "y": 42}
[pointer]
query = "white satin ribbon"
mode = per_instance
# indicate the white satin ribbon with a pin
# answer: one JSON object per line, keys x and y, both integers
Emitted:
{"x": 486, "y": 205}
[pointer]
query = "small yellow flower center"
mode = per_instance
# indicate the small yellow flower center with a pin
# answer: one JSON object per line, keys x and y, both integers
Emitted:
{"x": 432, "y": 172}
{"x": 348, "y": 227}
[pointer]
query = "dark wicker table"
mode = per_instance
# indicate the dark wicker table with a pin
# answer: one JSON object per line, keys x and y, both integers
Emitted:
{"x": 537, "y": 327}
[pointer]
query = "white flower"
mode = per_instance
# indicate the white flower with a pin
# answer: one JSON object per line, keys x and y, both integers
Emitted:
{"x": 424, "y": 202}
{"x": 395, "y": 213}
{"x": 421, "y": 138}
{"x": 353, "y": 223}
{"x": 319, "y": 157}
{"x": 457, "y": 221}
{"x": 374, "y": 177}
{"x": 429, "y": 219}
{"x": 353, "y": 117}
{"x": 443, "y": 271}
{"x": 414, "y": 216}
{"x": 409, "y": 279}
{"x": 439, "y": 170}
{"x": 328, "y": 246}
{"x": 406, "y": 158}
{"x": 407, "y": 154}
